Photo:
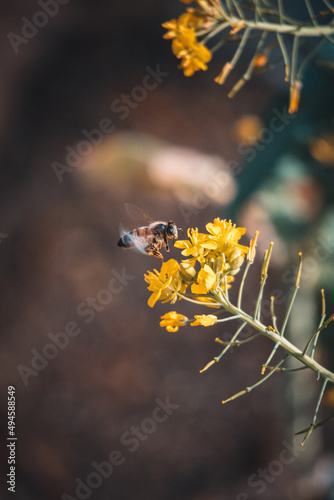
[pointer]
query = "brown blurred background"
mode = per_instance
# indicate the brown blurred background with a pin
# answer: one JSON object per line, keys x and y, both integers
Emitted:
{"x": 58, "y": 251}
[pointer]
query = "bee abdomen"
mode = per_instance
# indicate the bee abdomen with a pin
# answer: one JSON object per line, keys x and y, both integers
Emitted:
{"x": 126, "y": 241}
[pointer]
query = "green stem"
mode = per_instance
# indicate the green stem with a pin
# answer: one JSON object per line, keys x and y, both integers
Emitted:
{"x": 215, "y": 32}
{"x": 227, "y": 319}
{"x": 269, "y": 374}
{"x": 298, "y": 31}
{"x": 242, "y": 44}
{"x": 286, "y": 345}
{"x": 239, "y": 342}
{"x": 319, "y": 400}
{"x": 308, "y": 59}
{"x": 241, "y": 287}
{"x": 313, "y": 425}
{"x": 285, "y": 56}
{"x": 322, "y": 319}
{"x": 195, "y": 301}
{"x": 271, "y": 356}
{"x": 249, "y": 389}
{"x": 217, "y": 358}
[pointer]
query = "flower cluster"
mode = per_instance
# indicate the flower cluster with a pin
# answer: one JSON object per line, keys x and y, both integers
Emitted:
{"x": 182, "y": 32}
{"x": 212, "y": 259}
{"x": 203, "y": 278}
{"x": 218, "y": 22}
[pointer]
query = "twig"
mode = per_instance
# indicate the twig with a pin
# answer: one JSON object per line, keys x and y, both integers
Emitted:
{"x": 249, "y": 389}
{"x": 285, "y": 56}
{"x": 313, "y": 424}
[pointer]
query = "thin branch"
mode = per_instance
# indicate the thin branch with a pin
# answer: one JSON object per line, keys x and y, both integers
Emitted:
{"x": 319, "y": 424}
{"x": 311, "y": 13}
{"x": 286, "y": 370}
{"x": 309, "y": 58}
{"x": 214, "y": 32}
{"x": 249, "y": 389}
{"x": 238, "y": 9}
{"x": 318, "y": 330}
{"x": 322, "y": 319}
{"x": 295, "y": 291}
{"x": 280, "y": 10}
{"x": 236, "y": 343}
{"x": 216, "y": 359}
{"x": 313, "y": 424}
{"x": 241, "y": 287}
{"x": 285, "y": 56}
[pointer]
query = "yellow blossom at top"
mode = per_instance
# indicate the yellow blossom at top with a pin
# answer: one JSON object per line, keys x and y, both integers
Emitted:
{"x": 206, "y": 281}
{"x": 204, "y": 320}
{"x": 164, "y": 284}
{"x": 226, "y": 232}
{"x": 226, "y": 236}
{"x": 198, "y": 246}
{"x": 172, "y": 321}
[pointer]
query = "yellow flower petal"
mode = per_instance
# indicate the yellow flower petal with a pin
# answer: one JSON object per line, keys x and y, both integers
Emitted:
{"x": 172, "y": 321}
{"x": 204, "y": 320}
{"x": 206, "y": 279}
{"x": 198, "y": 289}
{"x": 164, "y": 284}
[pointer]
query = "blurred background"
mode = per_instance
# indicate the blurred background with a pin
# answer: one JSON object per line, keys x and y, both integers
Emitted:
{"x": 94, "y": 114}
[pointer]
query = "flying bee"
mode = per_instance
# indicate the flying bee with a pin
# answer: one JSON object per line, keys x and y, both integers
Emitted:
{"x": 150, "y": 238}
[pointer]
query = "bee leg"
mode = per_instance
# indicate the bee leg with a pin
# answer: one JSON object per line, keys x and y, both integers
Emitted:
{"x": 165, "y": 244}
{"x": 153, "y": 250}
{"x": 158, "y": 254}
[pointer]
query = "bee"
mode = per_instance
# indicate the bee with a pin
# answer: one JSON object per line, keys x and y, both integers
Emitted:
{"x": 150, "y": 238}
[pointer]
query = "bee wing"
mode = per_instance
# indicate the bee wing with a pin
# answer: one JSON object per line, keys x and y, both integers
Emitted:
{"x": 137, "y": 214}
{"x": 139, "y": 245}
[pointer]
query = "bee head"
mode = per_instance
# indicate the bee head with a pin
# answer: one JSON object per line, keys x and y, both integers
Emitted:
{"x": 171, "y": 230}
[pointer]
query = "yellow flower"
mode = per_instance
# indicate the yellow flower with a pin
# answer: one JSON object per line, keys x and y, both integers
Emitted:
{"x": 226, "y": 231}
{"x": 226, "y": 236}
{"x": 172, "y": 321}
{"x": 196, "y": 59}
{"x": 185, "y": 46}
{"x": 186, "y": 21}
{"x": 204, "y": 320}
{"x": 206, "y": 280}
{"x": 164, "y": 284}
{"x": 198, "y": 246}
{"x": 187, "y": 271}
{"x": 183, "y": 43}
{"x": 173, "y": 29}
